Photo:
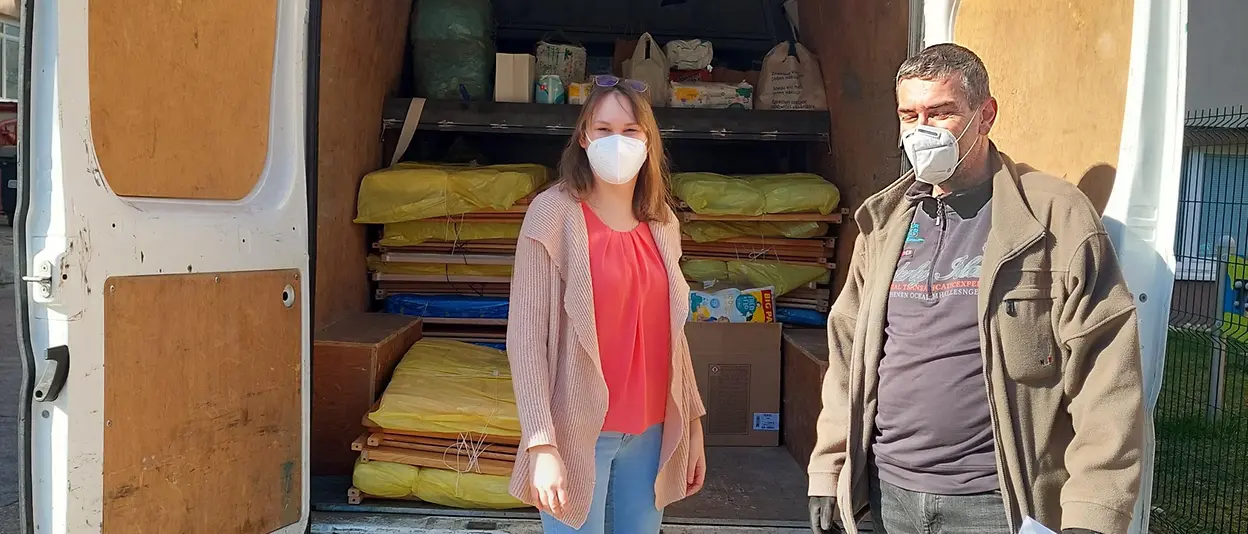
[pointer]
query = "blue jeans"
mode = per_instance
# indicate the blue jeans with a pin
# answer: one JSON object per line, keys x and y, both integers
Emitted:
{"x": 900, "y": 511}
{"x": 626, "y": 468}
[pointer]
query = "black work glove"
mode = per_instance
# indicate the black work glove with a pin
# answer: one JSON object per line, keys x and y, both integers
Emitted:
{"x": 822, "y": 510}
{"x": 1078, "y": 531}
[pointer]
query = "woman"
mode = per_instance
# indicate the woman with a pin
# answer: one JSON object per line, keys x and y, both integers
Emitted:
{"x": 599, "y": 361}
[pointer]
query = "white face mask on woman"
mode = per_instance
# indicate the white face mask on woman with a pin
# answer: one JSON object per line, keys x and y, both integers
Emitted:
{"x": 616, "y": 159}
{"x": 933, "y": 152}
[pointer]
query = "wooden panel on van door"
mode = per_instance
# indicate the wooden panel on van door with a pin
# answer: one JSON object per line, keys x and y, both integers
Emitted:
{"x": 203, "y": 403}
{"x": 1059, "y": 70}
{"x": 180, "y": 95}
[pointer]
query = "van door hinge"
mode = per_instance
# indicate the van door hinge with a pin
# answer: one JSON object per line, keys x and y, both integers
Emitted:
{"x": 55, "y": 371}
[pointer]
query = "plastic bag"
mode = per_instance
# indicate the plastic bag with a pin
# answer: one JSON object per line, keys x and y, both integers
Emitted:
{"x": 410, "y": 233}
{"x": 649, "y": 65}
{"x": 414, "y": 191}
{"x": 437, "y": 486}
{"x": 376, "y": 265}
{"x": 783, "y": 277}
{"x": 791, "y": 82}
{"x": 717, "y": 194}
{"x": 710, "y": 231}
{"x": 693, "y": 54}
{"x": 448, "y": 306}
{"x": 451, "y": 387}
{"x": 565, "y": 60}
{"x": 733, "y": 305}
{"x": 800, "y": 317}
{"x": 453, "y": 45}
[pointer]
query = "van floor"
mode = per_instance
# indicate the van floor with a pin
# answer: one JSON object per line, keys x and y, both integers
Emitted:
{"x": 745, "y": 486}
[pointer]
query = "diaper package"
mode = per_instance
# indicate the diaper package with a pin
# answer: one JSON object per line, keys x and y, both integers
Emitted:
{"x": 733, "y": 305}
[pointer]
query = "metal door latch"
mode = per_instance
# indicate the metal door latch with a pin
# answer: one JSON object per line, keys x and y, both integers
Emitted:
{"x": 42, "y": 279}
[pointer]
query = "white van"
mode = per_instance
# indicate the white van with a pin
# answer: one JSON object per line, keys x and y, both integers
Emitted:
{"x": 187, "y": 185}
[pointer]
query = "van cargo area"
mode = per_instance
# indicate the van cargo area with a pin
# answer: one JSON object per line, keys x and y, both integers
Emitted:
{"x": 372, "y": 65}
{"x": 344, "y": 359}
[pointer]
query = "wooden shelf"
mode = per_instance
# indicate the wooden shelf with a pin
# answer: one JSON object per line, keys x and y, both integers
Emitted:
{"x": 559, "y": 119}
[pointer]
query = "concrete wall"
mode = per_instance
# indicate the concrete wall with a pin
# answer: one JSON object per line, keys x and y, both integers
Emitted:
{"x": 1217, "y": 71}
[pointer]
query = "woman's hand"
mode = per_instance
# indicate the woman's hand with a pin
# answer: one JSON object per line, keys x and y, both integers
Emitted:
{"x": 696, "y": 475}
{"x": 546, "y": 477}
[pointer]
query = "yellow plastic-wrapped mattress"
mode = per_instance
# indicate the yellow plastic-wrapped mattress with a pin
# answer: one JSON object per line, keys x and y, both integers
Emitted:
{"x": 784, "y": 277}
{"x": 414, "y": 191}
{"x": 451, "y": 387}
{"x": 710, "y": 231}
{"x": 437, "y": 486}
{"x": 410, "y": 233}
{"x": 717, "y": 194}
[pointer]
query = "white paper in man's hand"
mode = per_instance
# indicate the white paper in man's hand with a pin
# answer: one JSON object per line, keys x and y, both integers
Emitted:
{"x": 1031, "y": 526}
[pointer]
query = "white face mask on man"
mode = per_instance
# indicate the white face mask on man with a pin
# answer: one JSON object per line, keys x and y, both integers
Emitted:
{"x": 616, "y": 159}
{"x": 933, "y": 152}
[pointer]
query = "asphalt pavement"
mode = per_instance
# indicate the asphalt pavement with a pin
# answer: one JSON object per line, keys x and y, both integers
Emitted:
{"x": 10, "y": 382}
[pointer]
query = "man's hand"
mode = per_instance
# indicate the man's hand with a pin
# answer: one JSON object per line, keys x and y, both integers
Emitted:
{"x": 822, "y": 510}
{"x": 546, "y": 479}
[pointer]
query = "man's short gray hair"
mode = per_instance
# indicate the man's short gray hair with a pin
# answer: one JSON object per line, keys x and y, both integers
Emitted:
{"x": 947, "y": 59}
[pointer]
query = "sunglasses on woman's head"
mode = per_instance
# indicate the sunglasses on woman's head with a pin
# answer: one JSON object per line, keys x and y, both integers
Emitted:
{"x": 607, "y": 80}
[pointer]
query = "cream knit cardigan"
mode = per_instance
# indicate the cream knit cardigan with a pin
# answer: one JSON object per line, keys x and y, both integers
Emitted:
{"x": 552, "y": 345}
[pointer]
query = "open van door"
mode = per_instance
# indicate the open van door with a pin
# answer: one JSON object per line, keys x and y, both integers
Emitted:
{"x": 1094, "y": 92}
{"x": 163, "y": 245}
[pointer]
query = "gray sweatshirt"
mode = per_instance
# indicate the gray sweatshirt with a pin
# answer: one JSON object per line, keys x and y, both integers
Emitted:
{"x": 933, "y": 428}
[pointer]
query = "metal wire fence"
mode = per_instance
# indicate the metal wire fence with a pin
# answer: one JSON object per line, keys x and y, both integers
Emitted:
{"x": 1201, "y": 478}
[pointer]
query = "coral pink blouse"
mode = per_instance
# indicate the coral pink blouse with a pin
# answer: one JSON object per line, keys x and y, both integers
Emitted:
{"x": 631, "y": 312}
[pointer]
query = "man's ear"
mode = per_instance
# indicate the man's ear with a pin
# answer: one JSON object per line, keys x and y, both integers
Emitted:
{"x": 990, "y": 116}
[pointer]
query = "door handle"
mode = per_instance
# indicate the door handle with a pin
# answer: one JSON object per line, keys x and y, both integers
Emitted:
{"x": 52, "y": 381}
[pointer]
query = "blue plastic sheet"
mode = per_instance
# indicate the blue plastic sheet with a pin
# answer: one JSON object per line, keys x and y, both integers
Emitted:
{"x": 800, "y": 317}
{"x": 448, "y": 306}
{"x": 496, "y": 346}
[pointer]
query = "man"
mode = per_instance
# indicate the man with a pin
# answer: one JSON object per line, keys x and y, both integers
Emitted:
{"x": 984, "y": 358}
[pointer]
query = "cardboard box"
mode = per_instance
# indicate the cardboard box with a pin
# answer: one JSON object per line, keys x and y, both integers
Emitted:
{"x": 738, "y": 371}
{"x": 352, "y": 361}
{"x": 513, "y": 77}
{"x": 805, "y": 362}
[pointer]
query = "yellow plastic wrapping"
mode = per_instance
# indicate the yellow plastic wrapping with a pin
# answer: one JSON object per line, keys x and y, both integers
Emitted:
{"x": 708, "y": 193}
{"x": 796, "y": 193}
{"x": 784, "y": 277}
{"x": 437, "y": 486}
{"x": 414, "y": 191}
{"x": 410, "y": 233}
{"x": 450, "y": 387}
{"x": 709, "y": 231}
{"x": 716, "y": 194}
{"x": 439, "y": 269}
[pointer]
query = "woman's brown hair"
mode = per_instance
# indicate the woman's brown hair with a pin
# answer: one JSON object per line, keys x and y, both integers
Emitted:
{"x": 651, "y": 199}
